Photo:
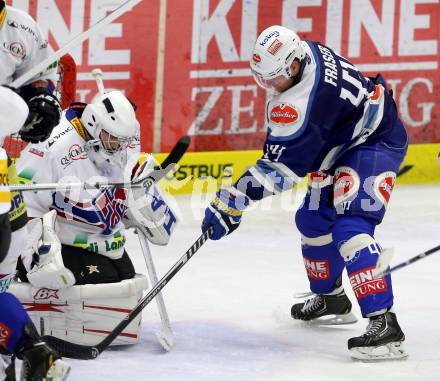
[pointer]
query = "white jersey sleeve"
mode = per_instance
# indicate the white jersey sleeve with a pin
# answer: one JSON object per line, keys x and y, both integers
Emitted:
{"x": 13, "y": 112}
{"x": 35, "y": 165}
{"x": 24, "y": 47}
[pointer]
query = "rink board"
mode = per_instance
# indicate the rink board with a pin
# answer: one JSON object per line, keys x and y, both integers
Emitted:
{"x": 200, "y": 172}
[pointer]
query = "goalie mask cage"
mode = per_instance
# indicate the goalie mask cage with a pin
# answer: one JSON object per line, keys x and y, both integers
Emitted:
{"x": 65, "y": 90}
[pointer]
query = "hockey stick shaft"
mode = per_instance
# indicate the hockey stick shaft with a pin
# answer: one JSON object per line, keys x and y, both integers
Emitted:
{"x": 159, "y": 172}
{"x": 95, "y": 28}
{"x": 86, "y": 352}
{"x": 409, "y": 261}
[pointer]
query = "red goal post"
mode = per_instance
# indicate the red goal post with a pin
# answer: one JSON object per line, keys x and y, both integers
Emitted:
{"x": 65, "y": 90}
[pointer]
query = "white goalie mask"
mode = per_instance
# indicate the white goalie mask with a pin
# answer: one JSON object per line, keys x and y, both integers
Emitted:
{"x": 274, "y": 52}
{"x": 111, "y": 122}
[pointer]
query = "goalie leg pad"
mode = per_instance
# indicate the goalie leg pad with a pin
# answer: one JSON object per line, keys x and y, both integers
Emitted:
{"x": 84, "y": 314}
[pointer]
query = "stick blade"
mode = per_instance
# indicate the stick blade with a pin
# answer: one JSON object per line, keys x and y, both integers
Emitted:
{"x": 166, "y": 339}
{"x": 383, "y": 262}
{"x": 71, "y": 350}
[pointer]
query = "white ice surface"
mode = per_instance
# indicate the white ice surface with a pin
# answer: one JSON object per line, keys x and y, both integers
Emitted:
{"x": 221, "y": 305}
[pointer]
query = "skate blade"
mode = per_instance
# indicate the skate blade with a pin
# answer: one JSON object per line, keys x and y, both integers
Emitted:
{"x": 58, "y": 371}
{"x": 391, "y": 351}
{"x": 344, "y": 319}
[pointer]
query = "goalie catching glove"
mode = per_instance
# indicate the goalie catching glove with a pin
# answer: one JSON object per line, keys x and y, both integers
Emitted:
{"x": 147, "y": 207}
{"x": 49, "y": 270}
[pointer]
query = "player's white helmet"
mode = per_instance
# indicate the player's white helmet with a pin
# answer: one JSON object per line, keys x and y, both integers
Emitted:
{"x": 111, "y": 121}
{"x": 274, "y": 52}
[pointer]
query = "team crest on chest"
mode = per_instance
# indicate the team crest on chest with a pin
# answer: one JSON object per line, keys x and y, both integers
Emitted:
{"x": 284, "y": 114}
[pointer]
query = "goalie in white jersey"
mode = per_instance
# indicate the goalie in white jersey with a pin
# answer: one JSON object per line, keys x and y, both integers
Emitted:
{"x": 85, "y": 243}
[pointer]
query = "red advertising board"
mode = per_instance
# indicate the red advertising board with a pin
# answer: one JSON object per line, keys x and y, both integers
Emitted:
{"x": 185, "y": 62}
{"x": 125, "y": 50}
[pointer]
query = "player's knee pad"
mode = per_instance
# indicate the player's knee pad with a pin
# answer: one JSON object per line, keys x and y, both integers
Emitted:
{"x": 87, "y": 313}
{"x": 313, "y": 223}
{"x": 322, "y": 262}
{"x": 13, "y": 318}
{"x": 347, "y": 227}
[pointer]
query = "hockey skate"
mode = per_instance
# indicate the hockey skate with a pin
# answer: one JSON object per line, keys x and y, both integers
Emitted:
{"x": 383, "y": 340}
{"x": 40, "y": 362}
{"x": 325, "y": 310}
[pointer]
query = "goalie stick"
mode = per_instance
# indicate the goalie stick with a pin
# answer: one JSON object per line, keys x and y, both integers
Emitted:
{"x": 165, "y": 335}
{"x": 383, "y": 262}
{"x": 159, "y": 172}
{"x": 89, "y": 352}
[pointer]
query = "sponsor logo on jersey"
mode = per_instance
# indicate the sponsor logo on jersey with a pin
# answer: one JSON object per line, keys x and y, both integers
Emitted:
{"x": 346, "y": 183}
{"x": 275, "y": 46}
{"x": 256, "y": 57}
{"x": 364, "y": 284}
{"x": 383, "y": 186}
{"x": 284, "y": 114}
{"x": 12, "y": 24}
{"x": 46, "y": 293}
{"x": 17, "y": 49}
{"x": 54, "y": 138}
{"x": 79, "y": 127}
{"x": 76, "y": 152}
{"x": 317, "y": 269}
{"x": 23, "y": 27}
{"x": 36, "y": 151}
{"x": 267, "y": 38}
{"x": 5, "y": 334}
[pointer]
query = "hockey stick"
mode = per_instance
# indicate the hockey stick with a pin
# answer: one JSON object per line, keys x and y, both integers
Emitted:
{"x": 88, "y": 352}
{"x": 165, "y": 335}
{"x": 159, "y": 172}
{"x": 41, "y": 66}
{"x": 382, "y": 266}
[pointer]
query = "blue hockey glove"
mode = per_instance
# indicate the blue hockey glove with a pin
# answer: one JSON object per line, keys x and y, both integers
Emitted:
{"x": 224, "y": 213}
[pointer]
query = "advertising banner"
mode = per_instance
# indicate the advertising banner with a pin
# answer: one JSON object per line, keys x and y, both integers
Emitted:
{"x": 185, "y": 63}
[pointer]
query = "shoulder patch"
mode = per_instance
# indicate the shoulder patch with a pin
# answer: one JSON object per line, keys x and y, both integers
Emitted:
{"x": 283, "y": 114}
{"x": 36, "y": 151}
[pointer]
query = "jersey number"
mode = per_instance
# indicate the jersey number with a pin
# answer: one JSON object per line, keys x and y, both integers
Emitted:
{"x": 350, "y": 74}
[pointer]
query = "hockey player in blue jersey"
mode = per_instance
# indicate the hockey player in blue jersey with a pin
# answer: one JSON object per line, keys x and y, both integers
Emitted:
{"x": 342, "y": 128}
